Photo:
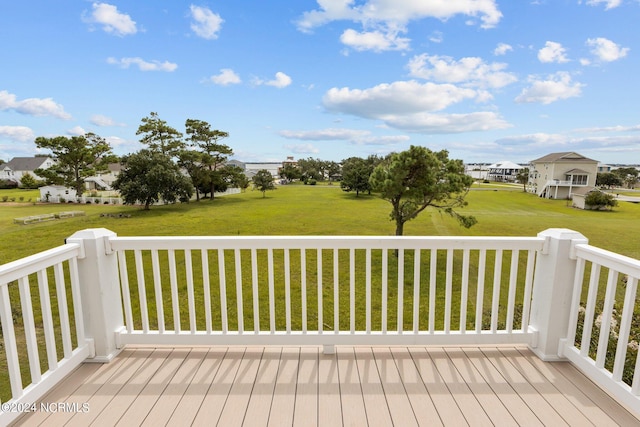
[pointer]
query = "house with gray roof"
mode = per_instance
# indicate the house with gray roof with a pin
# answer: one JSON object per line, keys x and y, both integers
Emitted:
{"x": 559, "y": 175}
{"x": 18, "y": 167}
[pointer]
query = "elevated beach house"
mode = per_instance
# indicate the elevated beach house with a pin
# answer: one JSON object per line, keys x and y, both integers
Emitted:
{"x": 558, "y": 175}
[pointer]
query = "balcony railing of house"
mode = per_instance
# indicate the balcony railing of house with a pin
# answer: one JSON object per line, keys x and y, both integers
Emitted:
{"x": 85, "y": 300}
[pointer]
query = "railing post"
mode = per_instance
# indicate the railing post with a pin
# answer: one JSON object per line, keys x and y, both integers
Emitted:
{"x": 552, "y": 290}
{"x": 99, "y": 291}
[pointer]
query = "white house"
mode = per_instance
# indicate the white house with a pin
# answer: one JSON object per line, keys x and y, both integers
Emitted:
{"x": 559, "y": 175}
{"x": 18, "y": 167}
{"x": 103, "y": 180}
{"x": 504, "y": 171}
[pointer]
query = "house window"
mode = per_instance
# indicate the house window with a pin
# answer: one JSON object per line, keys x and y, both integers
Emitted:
{"x": 577, "y": 179}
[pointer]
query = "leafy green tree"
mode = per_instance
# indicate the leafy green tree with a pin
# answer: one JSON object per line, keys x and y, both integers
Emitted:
{"x": 628, "y": 175}
{"x": 191, "y": 162}
{"x": 311, "y": 168}
{"x": 600, "y": 200}
{"x": 214, "y": 154}
{"x": 355, "y": 175}
{"x": 290, "y": 172}
{"x": 148, "y": 177}
{"x": 28, "y": 181}
{"x": 77, "y": 158}
{"x": 159, "y": 136}
{"x": 523, "y": 178}
{"x": 608, "y": 179}
{"x": 263, "y": 181}
{"x": 417, "y": 178}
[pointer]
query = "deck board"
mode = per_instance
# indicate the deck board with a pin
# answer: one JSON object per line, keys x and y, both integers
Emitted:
{"x": 300, "y": 386}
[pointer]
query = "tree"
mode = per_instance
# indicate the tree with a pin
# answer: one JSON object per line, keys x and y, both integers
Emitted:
{"x": 523, "y": 178}
{"x": 77, "y": 158}
{"x": 148, "y": 177}
{"x": 311, "y": 168}
{"x": 608, "y": 179}
{"x": 159, "y": 136}
{"x": 600, "y": 200}
{"x": 290, "y": 172}
{"x": 190, "y": 161}
{"x": 629, "y": 176}
{"x": 263, "y": 181}
{"x": 214, "y": 154}
{"x": 355, "y": 175}
{"x": 28, "y": 181}
{"x": 417, "y": 178}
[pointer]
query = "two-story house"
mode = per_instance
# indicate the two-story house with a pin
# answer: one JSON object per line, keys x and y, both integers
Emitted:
{"x": 18, "y": 167}
{"x": 557, "y": 175}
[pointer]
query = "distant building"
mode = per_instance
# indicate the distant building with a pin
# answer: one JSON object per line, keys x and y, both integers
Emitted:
{"x": 18, "y": 167}
{"x": 52, "y": 193}
{"x": 103, "y": 180}
{"x": 504, "y": 171}
{"x": 602, "y": 168}
{"x": 558, "y": 175}
{"x": 478, "y": 171}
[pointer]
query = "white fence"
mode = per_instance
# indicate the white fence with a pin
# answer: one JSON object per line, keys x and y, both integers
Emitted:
{"x": 27, "y": 312}
{"x": 319, "y": 291}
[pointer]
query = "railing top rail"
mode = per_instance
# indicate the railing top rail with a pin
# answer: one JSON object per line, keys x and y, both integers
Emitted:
{"x": 326, "y": 242}
{"x": 620, "y": 263}
{"x": 31, "y": 264}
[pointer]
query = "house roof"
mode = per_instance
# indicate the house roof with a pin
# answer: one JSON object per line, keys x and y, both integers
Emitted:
{"x": 577, "y": 171}
{"x": 505, "y": 164}
{"x": 567, "y": 156}
{"x": 25, "y": 163}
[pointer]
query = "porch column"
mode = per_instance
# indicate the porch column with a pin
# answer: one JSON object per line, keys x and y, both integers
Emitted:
{"x": 99, "y": 290}
{"x": 553, "y": 289}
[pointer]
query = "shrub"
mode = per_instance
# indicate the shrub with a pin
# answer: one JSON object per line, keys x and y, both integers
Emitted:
{"x": 5, "y": 198}
{"x": 600, "y": 200}
{"x": 312, "y": 181}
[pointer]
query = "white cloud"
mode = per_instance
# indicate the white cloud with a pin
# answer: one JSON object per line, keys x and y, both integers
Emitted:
{"x": 330, "y": 134}
{"x": 436, "y": 37}
{"x": 354, "y": 136}
{"x": 143, "y": 65}
{"x": 17, "y": 133}
{"x": 502, "y": 49}
{"x": 470, "y": 70}
{"x": 100, "y": 120}
{"x": 606, "y": 50}
{"x": 206, "y": 24}
{"x": 401, "y": 97}
{"x": 226, "y": 77}
{"x": 32, "y": 106}
{"x": 553, "y": 52}
{"x": 410, "y": 106}
{"x": 395, "y": 12}
{"x": 302, "y": 148}
{"x": 280, "y": 81}
{"x": 112, "y": 21}
{"x": 555, "y": 87}
{"x": 376, "y": 41}
{"x": 76, "y": 131}
{"x": 609, "y": 4}
{"x": 446, "y": 123}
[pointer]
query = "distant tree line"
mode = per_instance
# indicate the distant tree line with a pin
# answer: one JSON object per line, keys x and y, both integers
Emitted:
{"x": 621, "y": 177}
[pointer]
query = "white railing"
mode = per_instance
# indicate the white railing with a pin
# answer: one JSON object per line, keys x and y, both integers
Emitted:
{"x": 599, "y": 339}
{"x": 36, "y": 332}
{"x": 325, "y": 290}
{"x": 319, "y": 291}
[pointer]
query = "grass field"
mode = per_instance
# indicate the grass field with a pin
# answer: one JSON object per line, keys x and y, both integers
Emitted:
{"x": 311, "y": 210}
{"x": 320, "y": 210}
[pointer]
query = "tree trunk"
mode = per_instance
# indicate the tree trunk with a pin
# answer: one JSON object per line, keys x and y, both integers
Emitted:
{"x": 399, "y": 227}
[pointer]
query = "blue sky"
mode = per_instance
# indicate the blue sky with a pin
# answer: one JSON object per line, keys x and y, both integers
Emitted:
{"x": 487, "y": 80}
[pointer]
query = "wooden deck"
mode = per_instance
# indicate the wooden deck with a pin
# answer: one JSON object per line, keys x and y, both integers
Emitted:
{"x": 300, "y": 386}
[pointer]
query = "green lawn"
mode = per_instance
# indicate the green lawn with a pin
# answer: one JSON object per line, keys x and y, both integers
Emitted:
{"x": 313, "y": 210}
{"x": 321, "y": 210}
